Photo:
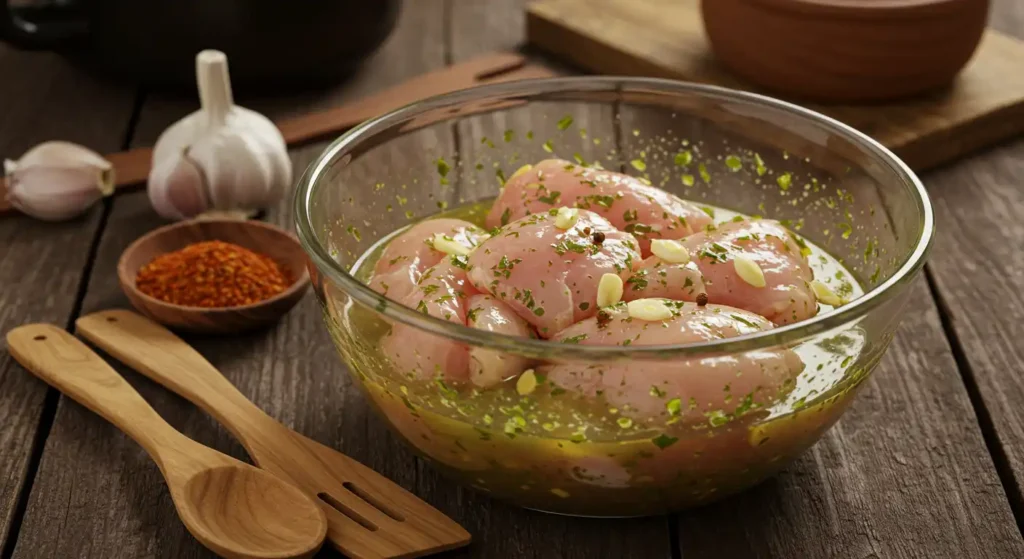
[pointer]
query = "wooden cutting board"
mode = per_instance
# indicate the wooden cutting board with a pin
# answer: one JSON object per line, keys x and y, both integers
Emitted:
{"x": 665, "y": 38}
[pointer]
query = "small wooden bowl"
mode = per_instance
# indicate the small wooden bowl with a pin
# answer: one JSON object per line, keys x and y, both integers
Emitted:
{"x": 845, "y": 50}
{"x": 260, "y": 237}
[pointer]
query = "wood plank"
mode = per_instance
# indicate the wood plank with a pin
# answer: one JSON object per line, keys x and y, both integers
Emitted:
{"x": 904, "y": 473}
{"x": 41, "y": 264}
{"x": 977, "y": 268}
{"x": 665, "y": 38}
{"x": 97, "y": 494}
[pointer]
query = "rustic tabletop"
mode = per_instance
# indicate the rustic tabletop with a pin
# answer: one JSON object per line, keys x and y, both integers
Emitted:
{"x": 929, "y": 462}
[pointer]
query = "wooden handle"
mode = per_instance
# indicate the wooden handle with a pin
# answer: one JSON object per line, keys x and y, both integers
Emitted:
{"x": 156, "y": 352}
{"x": 70, "y": 366}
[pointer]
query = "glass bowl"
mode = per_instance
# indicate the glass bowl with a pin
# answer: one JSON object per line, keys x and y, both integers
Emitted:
{"x": 546, "y": 448}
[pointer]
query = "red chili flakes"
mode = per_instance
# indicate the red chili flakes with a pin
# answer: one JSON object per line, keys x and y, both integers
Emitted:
{"x": 212, "y": 274}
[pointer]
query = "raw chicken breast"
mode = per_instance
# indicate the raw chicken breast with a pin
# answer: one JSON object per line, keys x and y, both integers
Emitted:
{"x": 548, "y": 275}
{"x": 786, "y": 296}
{"x": 442, "y": 291}
{"x": 411, "y": 253}
{"x": 628, "y": 203}
{"x": 489, "y": 367}
{"x": 689, "y": 388}
{"x": 658, "y": 278}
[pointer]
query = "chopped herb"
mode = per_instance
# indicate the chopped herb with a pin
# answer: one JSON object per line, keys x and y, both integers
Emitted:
{"x": 539, "y": 311}
{"x": 734, "y": 163}
{"x": 639, "y": 165}
{"x": 638, "y": 280}
{"x": 460, "y": 261}
{"x": 674, "y": 406}
{"x": 664, "y": 441}
{"x": 422, "y": 307}
{"x": 761, "y": 169}
{"x": 708, "y": 210}
{"x": 688, "y": 282}
{"x": 683, "y": 158}
{"x": 742, "y": 320}
{"x": 574, "y": 339}
{"x": 703, "y": 171}
{"x": 584, "y": 306}
{"x": 784, "y": 181}
{"x": 505, "y": 216}
{"x": 657, "y": 392}
{"x": 568, "y": 245}
{"x": 508, "y": 136}
{"x": 551, "y": 198}
{"x": 501, "y": 176}
{"x": 565, "y": 123}
{"x": 687, "y": 180}
{"x": 629, "y": 215}
{"x": 638, "y": 229}
{"x": 443, "y": 167}
{"x": 471, "y": 315}
{"x": 548, "y": 147}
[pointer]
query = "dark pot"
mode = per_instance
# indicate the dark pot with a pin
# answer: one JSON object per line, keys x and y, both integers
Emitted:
{"x": 270, "y": 44}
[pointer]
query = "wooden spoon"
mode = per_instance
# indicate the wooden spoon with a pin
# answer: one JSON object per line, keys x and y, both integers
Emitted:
{"x": 231, "y": 507}
{"x": 368, "y": 515}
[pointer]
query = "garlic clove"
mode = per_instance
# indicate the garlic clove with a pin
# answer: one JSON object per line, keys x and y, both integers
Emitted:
{"x": 177, "y": 188}
{"x": 55, "y": 181}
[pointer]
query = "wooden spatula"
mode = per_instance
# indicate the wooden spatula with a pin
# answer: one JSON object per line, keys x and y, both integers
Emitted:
{"x": 368, "y": 515}
{"x": 231, "y": 507}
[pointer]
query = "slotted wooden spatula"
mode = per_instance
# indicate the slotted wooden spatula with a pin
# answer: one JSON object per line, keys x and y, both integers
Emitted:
{"x": 368, "y": 515}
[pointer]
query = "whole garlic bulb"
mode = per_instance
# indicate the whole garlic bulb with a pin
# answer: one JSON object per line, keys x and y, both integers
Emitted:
{"x": 222, "y": 158}
{"x": 55, "y": 180}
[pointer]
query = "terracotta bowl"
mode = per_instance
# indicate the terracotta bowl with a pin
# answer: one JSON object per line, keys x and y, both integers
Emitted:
{"x": 845, "y": 50}
{"x": 272, "y": 241}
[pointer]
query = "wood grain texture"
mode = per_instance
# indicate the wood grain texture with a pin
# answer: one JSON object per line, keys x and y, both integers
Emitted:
{"x": 277, "y": 243}
{"x": 41, "y": 264}
{"x": 665, "y": 38}
{"x": 977, "y": 268}
{"x": 370, "y": 517}
{"x": 237, "y": 510}
{"x": 97, "y": 494}
{"x": 904, "y": 473}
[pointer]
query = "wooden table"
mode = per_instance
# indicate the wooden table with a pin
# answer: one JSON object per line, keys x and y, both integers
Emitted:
{"x": 929, "y": 462}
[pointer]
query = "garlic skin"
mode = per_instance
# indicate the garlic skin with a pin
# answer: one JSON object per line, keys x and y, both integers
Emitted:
{"x": 222, "y": 158}
{"x": 56, "y": 181}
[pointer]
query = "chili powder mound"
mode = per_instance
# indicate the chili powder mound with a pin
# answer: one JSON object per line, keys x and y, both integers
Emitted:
{"x": 212, "y": 274}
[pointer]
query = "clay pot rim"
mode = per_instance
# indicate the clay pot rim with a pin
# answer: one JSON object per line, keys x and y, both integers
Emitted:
{"x": 875, "y": 10}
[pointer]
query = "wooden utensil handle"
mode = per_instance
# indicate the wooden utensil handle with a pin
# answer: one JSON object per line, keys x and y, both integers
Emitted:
{"x": 68, "y": 365}
{"x": 156, "y": 352}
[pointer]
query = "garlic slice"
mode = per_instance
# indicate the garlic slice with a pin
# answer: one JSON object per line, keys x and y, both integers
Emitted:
{"x": 749, "y": 271}
{"x": 55, "y": 180}
{"x": 566, "y": 217}
{"x": 527, "y": 383}
{"x": 609, "y": 290}
{"x": 651, "y": 310}
{"x": 825, "y": 294}
{"x": 670, "y": 251}
{"x": 520, "y": 171}
{"x": 449, "y": 245}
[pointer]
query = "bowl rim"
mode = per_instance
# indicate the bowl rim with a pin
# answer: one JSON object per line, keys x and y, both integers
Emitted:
{"x": 548, "y": 349}
{"x": 127, "y": 279}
